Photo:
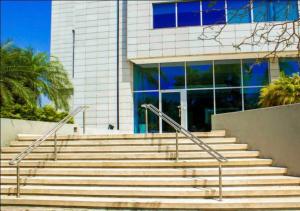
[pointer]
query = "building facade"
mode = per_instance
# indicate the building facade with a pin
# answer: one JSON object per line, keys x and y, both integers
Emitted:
{"x": 121, "y": 54}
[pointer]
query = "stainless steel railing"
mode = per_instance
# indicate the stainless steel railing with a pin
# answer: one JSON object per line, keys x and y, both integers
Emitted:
{"x": 17, "y": 160}
{"x": 179, "y": 129}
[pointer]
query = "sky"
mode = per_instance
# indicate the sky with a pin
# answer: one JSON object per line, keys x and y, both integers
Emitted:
{"x": 27, "y": 23}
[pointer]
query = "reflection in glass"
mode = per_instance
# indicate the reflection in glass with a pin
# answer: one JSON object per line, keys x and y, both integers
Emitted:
{"x": 141, "y": 98}
{"x": 255, "y": 73}
{"x": 228, "y": 100}
{"x": 213, "y": 12}
{"x": 188, "y": 13}
{"x": 285, "y": 10}
{"x": 200, "y": 108}
{"x": 172, "y": 76}
{"x": 289, "y": 66}
{"x": 199, "y": 74}
{"x": 238, "y": 11}
{"x": 251, "y": 98}
{"x": 275, "y": 10}
{"x": 170, "y": 106}
{"x": 228, "y": 73}
{"x": 145, "y": 77}
{"x": 164, "y": 15}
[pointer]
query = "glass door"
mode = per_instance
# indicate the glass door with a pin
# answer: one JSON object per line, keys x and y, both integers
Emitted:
{"x": 173, "y": 105}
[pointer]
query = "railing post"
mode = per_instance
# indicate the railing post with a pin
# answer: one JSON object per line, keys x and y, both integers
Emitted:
{"x": 55, "y": 145}
{"x": 177, "y": 155}
{"x": 18, "y": 180}
{"x": 83, "y": 120}
{"x": 146, "y": 119}
{"x": 220, "y": 182}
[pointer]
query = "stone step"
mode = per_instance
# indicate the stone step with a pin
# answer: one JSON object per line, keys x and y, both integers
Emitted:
{"x": 215, "y": 133}
{"x": 154, "y": 181}
{"x": 141, "y": 163}
{"x": 86, "y": 203}
{"x": 119, "y": 142}
{"x": 127, "y": 149}
{"x": 182, "y": 192}
{"x": 130, "y": 156}
{"x": 144, "y": 172}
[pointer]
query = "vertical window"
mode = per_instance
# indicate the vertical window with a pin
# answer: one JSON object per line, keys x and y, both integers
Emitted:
{"x": 164, "y": 15}
{"x": 172, "y": 76}
{"x": 213, "y": 12}
{"x": 228, "y": 73}
{"x": 141, "y": 98}
{"x": 199, "y": 74}
{"x": 238, "y": 11}
{"x": 200, "y": 105}
{"x": 263, "y": 10}
{"x": 275, "y": 10}
{"x": 255, "y": 73}
{"x": 188, "y": 13}
{"x": 145, "y": 77}
{"x": 289, "y": 66}
{"x": 251, "y": 98}
{"x": 285, "y": 10}
{"x": 228, "y": 100}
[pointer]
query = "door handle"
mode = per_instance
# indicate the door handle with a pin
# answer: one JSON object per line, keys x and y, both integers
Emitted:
{"x": 179, "y": 110}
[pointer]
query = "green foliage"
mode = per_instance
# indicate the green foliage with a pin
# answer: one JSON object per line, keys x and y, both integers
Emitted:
{"x": 46, "y": 113}
{"x": 285, "y": 90}
{"x": 26, "y": 75}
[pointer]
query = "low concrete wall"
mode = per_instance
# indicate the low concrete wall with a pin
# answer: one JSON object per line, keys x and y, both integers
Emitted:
{"x": 10, "y": 128}
{"x": 274, "y": 131}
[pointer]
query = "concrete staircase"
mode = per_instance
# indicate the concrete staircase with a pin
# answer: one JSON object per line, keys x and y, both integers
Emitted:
{"x": 140, "y": 171}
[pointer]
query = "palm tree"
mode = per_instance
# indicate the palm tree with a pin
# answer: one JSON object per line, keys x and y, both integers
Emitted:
{"x": 285, "y": 90}
{"x": 13, "y": 79}
{"x": 26, "y": 75}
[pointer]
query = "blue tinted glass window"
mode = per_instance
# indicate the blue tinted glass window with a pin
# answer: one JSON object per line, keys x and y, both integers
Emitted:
{"x": 200, "y": 105}
{"x": 188, "y": 13}
{"x": 263, "y": 10}
{"x": 255, "y": 73}
{"x": 275, "y": 10}
{"x": 164, "y": 15}
{"x": 289, "y": 66}
{"x": 285, "y": 10}
{"x": 145, "y": 77}
{"x": 238, "y": 11}
{"x": 228, "y": 73}
{"x": 141, "y": 98}
{"x": 251, "y": 98}
{"x": 172, "y": 76}
{"x": 228, "y": 100}
{"x": 213, "y": 12}
{"x": 199, "y": 74}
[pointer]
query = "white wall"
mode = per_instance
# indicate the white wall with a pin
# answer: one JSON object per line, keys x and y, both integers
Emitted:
{"x": 146, "y": 42}
{"x": 10, "y": 128}
{"x": 95, "y": 25}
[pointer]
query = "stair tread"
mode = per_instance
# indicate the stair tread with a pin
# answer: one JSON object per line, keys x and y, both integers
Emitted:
{"x": 214, "y": 133}
{"x": 130, "y": 156}
{"x": 255, "y": 177}
{"x": 121, "y": 142}
{"x": 126, "y": 172}
{"x": 155, "y": 181}
{"x": 155, "y": 203}
{"x": 73, "y": 187}
{"x": 127, "y": 149}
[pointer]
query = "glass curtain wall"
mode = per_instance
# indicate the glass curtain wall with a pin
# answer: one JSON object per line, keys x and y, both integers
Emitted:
{"x": 211, "y": 87}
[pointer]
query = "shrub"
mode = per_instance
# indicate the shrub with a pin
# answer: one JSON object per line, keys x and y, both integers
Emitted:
{"x": 285, "y": 90}
{"x": 27, "y": 112}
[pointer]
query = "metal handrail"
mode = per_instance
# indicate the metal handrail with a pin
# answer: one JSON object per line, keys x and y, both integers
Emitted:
{"x": 179, "y": 129}
{"x": 16, "y": 161}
